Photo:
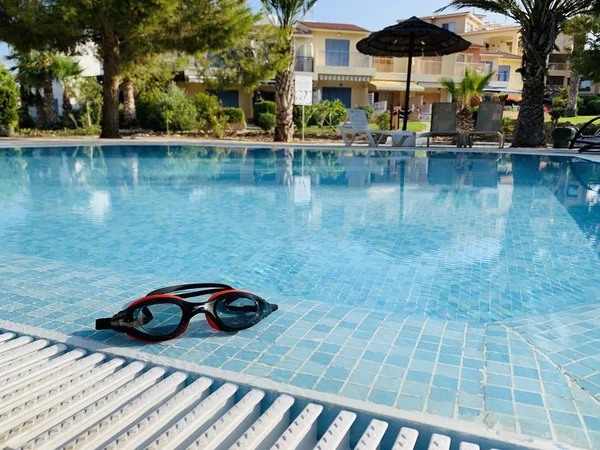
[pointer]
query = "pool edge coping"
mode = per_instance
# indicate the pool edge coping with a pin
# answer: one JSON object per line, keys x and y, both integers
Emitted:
{"x": 417, "y": 417}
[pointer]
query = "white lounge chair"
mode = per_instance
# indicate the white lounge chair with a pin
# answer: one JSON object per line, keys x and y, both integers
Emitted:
{"x": 357, "y": 125}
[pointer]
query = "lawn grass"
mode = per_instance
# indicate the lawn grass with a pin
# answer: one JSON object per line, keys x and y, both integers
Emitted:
{"x": 579, "y": 120}
{"x": 321, "y": 131}
{"x": 416, "y": 127}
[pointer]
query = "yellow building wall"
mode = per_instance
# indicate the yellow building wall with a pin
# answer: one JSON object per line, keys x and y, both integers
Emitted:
{"x": 360, "y": 91}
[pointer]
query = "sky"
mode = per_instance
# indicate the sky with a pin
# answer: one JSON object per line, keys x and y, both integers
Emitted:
{"x": 374, "y": 14}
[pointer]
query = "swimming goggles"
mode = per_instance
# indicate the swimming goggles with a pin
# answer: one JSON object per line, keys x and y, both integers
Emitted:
{"x": 163, "y": 314}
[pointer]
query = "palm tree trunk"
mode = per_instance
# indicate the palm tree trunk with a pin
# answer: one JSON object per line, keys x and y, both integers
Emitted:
{"x": 67, "y": 107}
{"x": 284, "y": 99}
{"x": 40, "y": 112}
{"x": 129, "y": 116}
{"x": 529, "y": 130}
{"x": 49, "y": 111}
{"x": 574, "y": 83}
{"x": 110, "y": 106}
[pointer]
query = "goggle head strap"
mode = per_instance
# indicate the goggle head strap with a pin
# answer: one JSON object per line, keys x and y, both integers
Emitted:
{"x": 207, "y": 288}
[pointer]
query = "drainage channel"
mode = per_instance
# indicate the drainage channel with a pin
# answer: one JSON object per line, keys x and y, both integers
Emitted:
{"x": 55, "y": 396}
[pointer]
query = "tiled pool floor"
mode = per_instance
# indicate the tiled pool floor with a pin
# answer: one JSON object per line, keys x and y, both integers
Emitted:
{"x": 539, "y": 376}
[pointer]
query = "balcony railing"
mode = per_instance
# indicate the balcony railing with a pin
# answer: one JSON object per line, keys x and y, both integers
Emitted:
{"x": 384, "y": 64}
{"x": 332, "y": 58}
{"x": 451, "y": 69}
{"x": 558, "y": 66}
{"x": 304, "y": 64}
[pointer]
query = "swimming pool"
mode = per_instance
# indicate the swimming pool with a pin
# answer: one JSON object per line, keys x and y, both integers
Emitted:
{"x": 457, "y": 284}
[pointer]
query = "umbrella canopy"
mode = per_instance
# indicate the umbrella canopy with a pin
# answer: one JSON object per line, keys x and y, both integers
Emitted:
{"x": 413, "y": 37}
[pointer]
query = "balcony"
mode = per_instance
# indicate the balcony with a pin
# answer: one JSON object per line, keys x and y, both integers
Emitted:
{"x": 304, "y": 64}
{"x": 344, "y": 59}
{"x": 558, "y": 66}
{"x": 385, "y": 65}
{"x": 350, "y": 66}
{"x": 447, "y": 69}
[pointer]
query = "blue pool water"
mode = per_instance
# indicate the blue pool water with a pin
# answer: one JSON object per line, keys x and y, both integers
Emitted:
{"x": 458, "y": 284}
{"x": 456, "y": 236}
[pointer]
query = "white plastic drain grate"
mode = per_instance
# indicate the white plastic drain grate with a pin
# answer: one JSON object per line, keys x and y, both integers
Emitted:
{"x": 54, "y": 397}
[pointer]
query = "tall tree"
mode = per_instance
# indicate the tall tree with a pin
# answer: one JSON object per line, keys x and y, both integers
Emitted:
{"x": 66, "y": 71}
{"x": 578, "y": 28}
{"x": 123, "y": 29}
{"x": 248, "y": 62}
{"x": 37, "y": 70}
{"x": 540, "y": 21}
{"x": 287, "y": 14}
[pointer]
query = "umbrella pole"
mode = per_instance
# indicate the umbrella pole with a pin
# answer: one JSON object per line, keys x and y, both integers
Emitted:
{"x": 411, "y": 44}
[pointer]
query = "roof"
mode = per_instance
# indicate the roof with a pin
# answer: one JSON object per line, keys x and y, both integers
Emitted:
{"x": 478, "y": 17}
{"x": 504, "y": 55}
{"x": 333, "y": 26}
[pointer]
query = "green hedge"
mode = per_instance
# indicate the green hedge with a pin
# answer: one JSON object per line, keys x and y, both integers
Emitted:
{"x": 9, "y": 101}
{"x": 235, "y": 115}
{"x": 267, "y": 121}
{"x": 263, "y": 107}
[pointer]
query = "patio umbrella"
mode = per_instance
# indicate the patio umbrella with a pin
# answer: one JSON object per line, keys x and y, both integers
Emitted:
{"x": 413, "y": 37}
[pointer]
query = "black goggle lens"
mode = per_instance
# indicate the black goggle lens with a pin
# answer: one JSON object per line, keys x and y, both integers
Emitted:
{"x": 238, "y": 313}
{"x": 158, "y": 319}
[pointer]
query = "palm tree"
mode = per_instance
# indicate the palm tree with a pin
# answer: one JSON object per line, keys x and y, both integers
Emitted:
{"x": 467, "y": 93}
{"x": 36, "y": 70}
{"x": 541, "y": 21}
{"x": 287, "y": 14}
{"x": 578, "y": 28}
{"x": 66, "y": 70}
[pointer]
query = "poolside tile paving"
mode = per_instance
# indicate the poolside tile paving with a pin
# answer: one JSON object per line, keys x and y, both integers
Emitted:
{"x": 501, "y": 375}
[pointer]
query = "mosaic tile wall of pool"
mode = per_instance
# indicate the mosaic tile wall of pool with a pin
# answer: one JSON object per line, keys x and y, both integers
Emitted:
{"x": 457, "y": 284}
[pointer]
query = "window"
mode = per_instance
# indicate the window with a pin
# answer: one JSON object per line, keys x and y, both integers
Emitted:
{"x": 468, "y": 27}
{"x": 337, "y": 52}
{"x": 450, "y": 26}
{"x": 463, "y": 57}
{"x": 585, "y": 86}
{"x": 503, "y": 73}
{"x": 230, "y": 99}
{"x": 342, "y": 94}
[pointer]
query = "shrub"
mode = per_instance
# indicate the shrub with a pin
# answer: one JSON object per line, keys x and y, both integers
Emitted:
{"x": 593, "y": 107}
{"x": 168, "y": 110}
{"x": 209, "y": 110}
{"x": 308, "y": 116}
{"x": 369, "y": 111}
{"x": 9, "y": 102}
{"x": 264, "y": 107}
{"x": 267, "y": 121}
{"x": 559, "y": 102}
{"x": 330, "y": 113}
{"x": 25, "y": 119}
{"x": 234, "y": 115}
{"x": 556, "y": 113}
{"x": 383, "y": 120}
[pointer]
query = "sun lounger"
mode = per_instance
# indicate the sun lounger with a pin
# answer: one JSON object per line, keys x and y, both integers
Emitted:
{"x": 443, "y": 122}
{"x": 586, "y": 142}
{"x": 489, "y": 123}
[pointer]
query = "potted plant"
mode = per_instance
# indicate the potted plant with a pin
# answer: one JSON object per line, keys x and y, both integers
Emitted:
{"x": 561, "y": 135}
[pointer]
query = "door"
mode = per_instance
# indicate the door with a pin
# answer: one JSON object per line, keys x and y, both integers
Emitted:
{"x": 337, "y": 52}
{"x": 338, "y": 93}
